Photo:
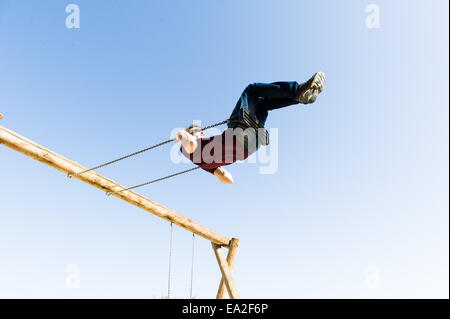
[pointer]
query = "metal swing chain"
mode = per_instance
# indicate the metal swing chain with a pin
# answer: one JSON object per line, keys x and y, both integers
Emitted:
{"x": 170, "y": 262}
{"x": 139, "y": 152}
{"x": 192, "y": 265}
{"x": 153, "y": 181}
{"x": 168, "y": 176}
{"x": 215, "y": 125}
{"x": 122, "y": 158}
{"x": 170, "y": 259}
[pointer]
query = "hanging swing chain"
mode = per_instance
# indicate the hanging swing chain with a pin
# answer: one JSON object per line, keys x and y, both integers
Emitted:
{"x": 153, "y": 181}
{"x": 120, "y": 159}
{"x": 192, "y": 265}
{"x": 141, "y": 151}
{"x": 170, "y": 260}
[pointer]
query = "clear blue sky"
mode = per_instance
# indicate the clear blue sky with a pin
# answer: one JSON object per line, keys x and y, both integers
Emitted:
{"x": 358, "y": 207}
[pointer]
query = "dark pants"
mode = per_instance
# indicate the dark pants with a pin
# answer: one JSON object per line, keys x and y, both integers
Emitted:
{"x": 260, "y": 98}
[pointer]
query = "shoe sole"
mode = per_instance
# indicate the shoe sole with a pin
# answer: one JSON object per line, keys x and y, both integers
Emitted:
{"x": 319, "y": 81}
{"x": 317, "y": 86}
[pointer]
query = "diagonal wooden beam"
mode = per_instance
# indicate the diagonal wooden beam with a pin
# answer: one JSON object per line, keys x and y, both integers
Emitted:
{"x": 226, "y": 272}
{"x": 232, "y": 251}
{"x": 48, "y": 157}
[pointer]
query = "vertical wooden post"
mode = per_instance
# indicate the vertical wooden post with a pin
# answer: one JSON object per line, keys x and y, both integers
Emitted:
{"x": 232, "y": 251}
{"x": 226, "y": 273}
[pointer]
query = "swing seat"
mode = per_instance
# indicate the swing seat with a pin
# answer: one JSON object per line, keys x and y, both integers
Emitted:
{"x": 245, "y": 120}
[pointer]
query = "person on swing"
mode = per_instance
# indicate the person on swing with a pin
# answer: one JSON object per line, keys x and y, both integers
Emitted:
{"x": 212, "y": 153}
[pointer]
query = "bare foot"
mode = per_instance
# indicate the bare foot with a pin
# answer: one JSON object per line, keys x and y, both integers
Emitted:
{"x": 224, "y": 176}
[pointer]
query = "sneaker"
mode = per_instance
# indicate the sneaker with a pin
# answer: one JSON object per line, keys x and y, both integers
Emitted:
{"x": 311, "y": 88}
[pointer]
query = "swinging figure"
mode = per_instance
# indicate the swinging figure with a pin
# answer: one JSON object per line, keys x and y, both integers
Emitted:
{"x": 245, "y": 132}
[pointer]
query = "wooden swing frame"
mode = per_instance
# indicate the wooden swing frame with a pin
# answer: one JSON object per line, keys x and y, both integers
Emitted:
{"x": 29, "y": 148}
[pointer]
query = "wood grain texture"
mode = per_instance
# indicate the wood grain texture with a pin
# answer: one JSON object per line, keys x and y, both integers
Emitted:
{"x": 226, "y": 272}
{"x": 232, "y": 252}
